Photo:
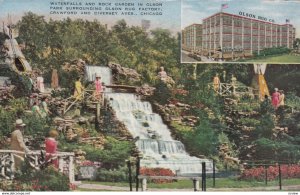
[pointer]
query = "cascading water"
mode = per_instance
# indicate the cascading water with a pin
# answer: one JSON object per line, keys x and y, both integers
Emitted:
{"x": 104, "y": 72}
{"x": 153, "y": 136}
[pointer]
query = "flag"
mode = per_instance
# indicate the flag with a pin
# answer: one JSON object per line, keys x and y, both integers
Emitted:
{"x": 224, "y": 6}
{"x": 287, "y": 20}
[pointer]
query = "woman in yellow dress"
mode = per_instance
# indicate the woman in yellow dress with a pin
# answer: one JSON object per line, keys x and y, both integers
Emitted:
{"x": 78, "y": 92}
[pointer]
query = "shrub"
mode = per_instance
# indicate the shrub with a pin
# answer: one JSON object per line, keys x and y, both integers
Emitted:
{"x": 35, "y": 125}
{"x": 258, "y": 173}
{"x": 293, "y": 101}
{"x": 113, "y": 175}
{"x": 162, "y": 93}
{"x": 92, "y": 153}
{"x": 114, "y": 153}
{"x": 8, "y": 116}
{"x": 273, "y": 51}
{"x": 249, "y": 122}
{"x": 7, "y": 119}
{"x": 48, "y": 179}
{"x": 157, "y": 172}
{"x": 203, "y": 140}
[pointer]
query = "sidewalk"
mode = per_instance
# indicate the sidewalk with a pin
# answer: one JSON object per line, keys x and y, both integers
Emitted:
{"x": 116, "y": 188}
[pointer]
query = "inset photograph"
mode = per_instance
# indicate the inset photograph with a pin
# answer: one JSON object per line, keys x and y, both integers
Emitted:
{"x": 263, "y": 31}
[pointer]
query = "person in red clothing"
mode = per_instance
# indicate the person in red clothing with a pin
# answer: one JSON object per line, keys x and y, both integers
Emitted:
{"x": 275, "y": 98}
{"x": 51, "y": 148}
{"x": 98, "y": 87}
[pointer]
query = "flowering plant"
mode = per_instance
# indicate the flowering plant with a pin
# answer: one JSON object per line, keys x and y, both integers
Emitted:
{"x": 258, "y": 173}
{"x": 157, "y": 172}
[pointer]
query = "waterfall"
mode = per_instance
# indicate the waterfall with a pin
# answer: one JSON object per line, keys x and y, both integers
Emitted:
{"x": 153, "y": 137}
{"x": 104, "y": 72}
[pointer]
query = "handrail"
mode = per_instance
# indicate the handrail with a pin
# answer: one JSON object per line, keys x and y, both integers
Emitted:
{"x": 59, "y": 154}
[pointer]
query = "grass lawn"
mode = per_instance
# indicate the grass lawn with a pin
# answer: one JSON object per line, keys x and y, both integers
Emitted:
{"x": 90, "y": 190}
{"x": 286, "y": 58}
{"x": 220, "y": 183}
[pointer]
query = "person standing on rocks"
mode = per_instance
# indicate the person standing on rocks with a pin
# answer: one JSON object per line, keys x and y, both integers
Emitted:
{"x": 98, "y": 87}
{"x": 78, "y": 92}
{"x": 45, "y": 110}
{"x": 54, "y": 79}
{"x": 36, "y": 109}
{"x": 162, "y": 74}
{"x": 216, "y": 82}
{"x": 281, "y": 98}
{"x": 40, "y": 84}
{"x": 275, "y": 98}
{"x": 18, "y": 144}
{"x": 233, "y": 83}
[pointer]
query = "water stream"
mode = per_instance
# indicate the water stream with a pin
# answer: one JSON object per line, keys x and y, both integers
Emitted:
{"x": 153, "y": 137}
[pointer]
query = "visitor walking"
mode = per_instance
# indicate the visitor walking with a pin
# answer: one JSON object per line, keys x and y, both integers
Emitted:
{"x": 275, "y": 98}
{"x": 17, "y": 143}
{"x": 51, "y": 148}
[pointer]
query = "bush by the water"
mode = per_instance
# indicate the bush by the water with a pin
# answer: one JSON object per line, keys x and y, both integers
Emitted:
{"x": 157, "y": 172}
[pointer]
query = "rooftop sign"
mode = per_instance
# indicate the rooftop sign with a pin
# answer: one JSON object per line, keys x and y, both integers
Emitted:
{"x": 254, "y": 16}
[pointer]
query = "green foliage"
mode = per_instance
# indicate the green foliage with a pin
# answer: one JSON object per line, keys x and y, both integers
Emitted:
{"x": 115, "y": 153}
{"x": 223, "y": 139}
{"x": 21, "y": 82}
{"x": 203, "y": 140}
{"x": 113, "y": 175}
{"x": 92, "y": 153}
{"x": 162, "y": 93}
{"x": 49, "y": 179}
{"x": 8, "y": 116}
{"x": 272, "y": 51}
{"x": 35, "y": 125}
{"x": 284, "y": 77}
{"x": 112, "y": 156}
{"x": 296, "y": 44}
{"x": 49, "y": 44}
{"x": 292, "y": 101}
{"x": 65, "y": 146}
{"x": 265, "y": 126}
{"x": 7, "y": 119}
{"x": 267, "y": 149}
{"x": 251, "y": 122}
{"x": 17, "y": 105}
{"x": 232, "y": 151}
{"x": 67, "y": 79}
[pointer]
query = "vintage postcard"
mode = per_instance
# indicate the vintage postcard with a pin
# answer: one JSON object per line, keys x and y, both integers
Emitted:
{"x": 94, "y": 96}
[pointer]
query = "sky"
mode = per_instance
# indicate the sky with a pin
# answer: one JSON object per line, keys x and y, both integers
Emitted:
{"x": 169, "y": 20}
{"x": 193, "y": 11}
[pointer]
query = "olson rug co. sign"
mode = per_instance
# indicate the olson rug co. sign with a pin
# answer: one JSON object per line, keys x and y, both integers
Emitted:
{"x": 256, "y": 17}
